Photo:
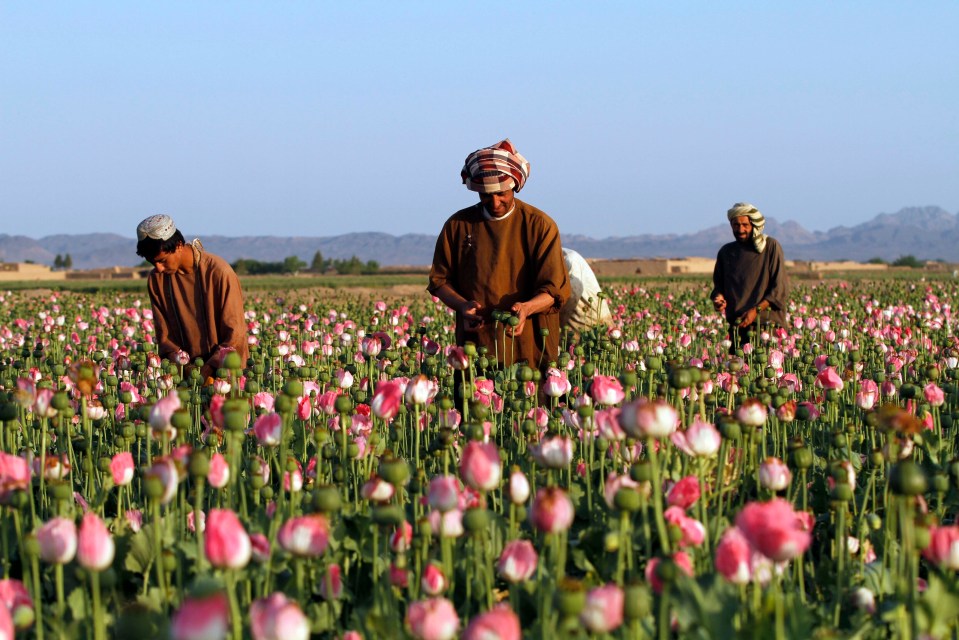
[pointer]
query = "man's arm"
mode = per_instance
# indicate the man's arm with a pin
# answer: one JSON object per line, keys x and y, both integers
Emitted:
{"x": 470, "y": 310}
{"x": 161, "y": 326}
{"x": 716, "y": 295}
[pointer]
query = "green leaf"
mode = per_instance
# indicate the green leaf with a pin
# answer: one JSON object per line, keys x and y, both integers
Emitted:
{"x": 140, "y": 555}
{"x": 77, "y": 601}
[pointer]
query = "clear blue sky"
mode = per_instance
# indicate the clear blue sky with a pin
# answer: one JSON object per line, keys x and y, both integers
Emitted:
{"x": 323, "y": 118}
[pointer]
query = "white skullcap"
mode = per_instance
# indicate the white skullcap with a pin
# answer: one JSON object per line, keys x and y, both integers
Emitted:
{"x": 158, "y": 227}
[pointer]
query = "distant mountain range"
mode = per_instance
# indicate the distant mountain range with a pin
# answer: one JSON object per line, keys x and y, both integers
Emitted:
{"x": 929, "y": 233}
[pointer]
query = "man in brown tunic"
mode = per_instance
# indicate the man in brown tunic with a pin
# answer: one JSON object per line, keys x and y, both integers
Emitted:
{"x": 196, "y": 297}
{"x": 749, "y": 280}
{"x": 502, "y": 254}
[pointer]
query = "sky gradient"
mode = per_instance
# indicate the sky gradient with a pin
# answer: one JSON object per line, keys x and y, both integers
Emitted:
{"x": 324, "y": 118}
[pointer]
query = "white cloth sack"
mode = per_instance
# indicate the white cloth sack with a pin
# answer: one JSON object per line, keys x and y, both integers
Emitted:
{"x": 585, "y": 308}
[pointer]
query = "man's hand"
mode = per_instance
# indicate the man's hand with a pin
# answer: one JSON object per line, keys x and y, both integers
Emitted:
{"x": 471, "y": 310}
{"x": 522, "y": 311}
{"x": 719, "y": 303}
{"x": 748, "y": 318}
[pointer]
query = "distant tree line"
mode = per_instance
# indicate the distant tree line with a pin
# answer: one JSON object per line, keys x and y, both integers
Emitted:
{"x": 63, "y": 262}
{"x": 902, "y": 261}
{"x": 293, "y": 265}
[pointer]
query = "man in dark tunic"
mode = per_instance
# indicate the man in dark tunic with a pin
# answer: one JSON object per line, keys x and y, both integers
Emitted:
{"x": 749, "y": 280}
{"x": 196, "y": 298}
{"x": 502, "y": 254}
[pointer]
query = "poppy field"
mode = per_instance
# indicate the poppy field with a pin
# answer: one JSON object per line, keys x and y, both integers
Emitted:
{"x": 360, "y": 476}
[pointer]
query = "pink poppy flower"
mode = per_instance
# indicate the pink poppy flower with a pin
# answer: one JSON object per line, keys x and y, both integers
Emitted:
{"x": 774, "y": 529}
{"x": 552, "y": 510}
{"x": 432, "y": 619}
{"x": 606, "y": 390}
{"x": 604, "y": 609}
{"x": 306, "y": 536}
{"x": 121, "y": 467}
{"x": 58, "y": 540}
{"x": 480, "y": 466}
{"x": 499, "y": 623}
{"x": 278, "y": 618}
{"x": 226, "y": 542}
{"x": 199, "y": 618}
{"x": 95, "y": 546}
{"x": 517, "y": 562}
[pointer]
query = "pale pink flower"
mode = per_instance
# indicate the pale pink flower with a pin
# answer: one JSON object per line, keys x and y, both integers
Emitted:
{"x": 774, "y": 474}
{"x": 555, "y": 452}
{"x": 306, "y": 536}
{"x": 517, "y": 562}
{"x": 268, "y": 429}
{"x": 604, "y": 608}
{"x": 278, "y": 618}
{"x": 58, "y": 540}
{"x": 432, "y": 619}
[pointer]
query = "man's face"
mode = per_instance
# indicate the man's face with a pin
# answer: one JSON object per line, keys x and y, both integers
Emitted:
{"x": 742, "y": 228}
{"x": 167, "y": 262}
{"x": 498, "y": 204}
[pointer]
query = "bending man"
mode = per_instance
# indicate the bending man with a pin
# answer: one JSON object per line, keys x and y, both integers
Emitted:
{"x": 196, "y": 297}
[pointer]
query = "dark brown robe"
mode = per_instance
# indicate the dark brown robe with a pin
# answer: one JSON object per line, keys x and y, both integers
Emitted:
{"x": 746, "y": 277}
{"x": 199, "y": 312}
{"x": 498, "y": 263}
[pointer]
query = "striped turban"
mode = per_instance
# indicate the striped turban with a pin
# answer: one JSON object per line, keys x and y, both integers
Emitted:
{"x": 755, "y": 217}
{"x": 494, "y": 169}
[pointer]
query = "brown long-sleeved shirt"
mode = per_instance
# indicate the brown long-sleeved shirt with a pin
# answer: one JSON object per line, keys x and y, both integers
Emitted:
{"x": 199, "y": 312}
{"x": 498, "y": 262}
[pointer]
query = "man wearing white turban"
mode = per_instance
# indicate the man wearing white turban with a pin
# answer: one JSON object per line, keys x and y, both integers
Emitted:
{"x": 502, "y": 255}
{"x": 749, "y": 281}
{"x": 196, "y": 297}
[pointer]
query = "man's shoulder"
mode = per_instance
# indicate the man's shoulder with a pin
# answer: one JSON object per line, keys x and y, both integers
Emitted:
{"x": 468, "y": 214}
{"x": 537, "y": 216}
{"x": 215, "y": 262}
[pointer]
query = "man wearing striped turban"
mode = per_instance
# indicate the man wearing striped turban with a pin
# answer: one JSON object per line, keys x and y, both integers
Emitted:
{"x": 502, "y": 255}
{"x": 749, "y": 280}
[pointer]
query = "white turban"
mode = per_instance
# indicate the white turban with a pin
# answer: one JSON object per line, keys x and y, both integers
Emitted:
{"x": 158, "y": 227}
{"x": 755, "y": 217}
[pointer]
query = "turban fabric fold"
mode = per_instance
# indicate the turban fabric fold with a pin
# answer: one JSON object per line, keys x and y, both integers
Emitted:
{"x": 158, "y": 227}
{"x": 755, "y": 217}
{"x": 496, "y": 168}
